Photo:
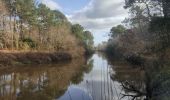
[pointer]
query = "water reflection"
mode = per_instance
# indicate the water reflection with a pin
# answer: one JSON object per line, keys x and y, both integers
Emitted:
{"x": 150, "y": 83}
{"x": 96, "y": 84}
{"x": 40, "y": 82}
{"x": 94, "y": 79}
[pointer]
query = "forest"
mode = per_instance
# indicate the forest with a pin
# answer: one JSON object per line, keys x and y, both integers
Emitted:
{"x": 45, "y": 55}
{"x": 30, "y": 27}
{"x": 143, "y": 39}
{"x": 145, "y": 31}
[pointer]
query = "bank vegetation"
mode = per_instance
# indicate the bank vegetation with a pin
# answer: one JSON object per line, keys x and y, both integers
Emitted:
{"x": 143, "y": 40}
{"x": 30, "y": 30}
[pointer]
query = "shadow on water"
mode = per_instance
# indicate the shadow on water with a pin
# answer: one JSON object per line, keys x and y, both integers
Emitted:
{"x": 150, "y": 83}
{"x": 92, "y": 79}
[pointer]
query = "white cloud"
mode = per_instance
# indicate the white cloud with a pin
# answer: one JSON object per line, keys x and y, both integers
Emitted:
{"x": 100, "y": 14}
{"x": 51, "y": 4}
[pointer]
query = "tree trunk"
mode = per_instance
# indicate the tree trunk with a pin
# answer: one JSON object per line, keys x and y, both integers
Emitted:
{"x": 21, "y": 30}
{"x": 15, "y": 33}
{"x": 12, "y": 33}
{"x": 4, "y": 30}
{"x": 148, "y": 11}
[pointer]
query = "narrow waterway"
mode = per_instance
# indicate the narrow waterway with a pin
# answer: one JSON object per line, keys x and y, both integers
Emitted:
{"x": 96, "y": 78}
{"x": 81, "y": 79}
{"x": 96, "y": 85}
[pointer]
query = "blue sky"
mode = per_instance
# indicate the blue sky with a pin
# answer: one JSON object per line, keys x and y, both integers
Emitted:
{"x": 97, "y": 16}
{"x": 69, "y": 6}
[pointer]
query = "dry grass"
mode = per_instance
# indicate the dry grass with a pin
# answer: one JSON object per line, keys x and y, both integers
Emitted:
{"x": 27, "y": 57}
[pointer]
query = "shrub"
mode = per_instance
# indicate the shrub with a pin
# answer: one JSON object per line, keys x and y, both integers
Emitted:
{"x": 160, "y": 24}
{"x": 29, "y": 42}
{"x": 112, "y": 49}
{"x": 160, "y": 33}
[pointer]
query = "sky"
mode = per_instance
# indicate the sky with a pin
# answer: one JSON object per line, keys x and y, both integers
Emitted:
{"x": 97, "y": 16}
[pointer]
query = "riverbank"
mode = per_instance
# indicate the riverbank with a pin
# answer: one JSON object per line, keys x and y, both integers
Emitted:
{"x": 9, "y": 58}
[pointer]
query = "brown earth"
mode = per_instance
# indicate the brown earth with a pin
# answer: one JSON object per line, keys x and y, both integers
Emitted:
{"x": 31, "y": 57}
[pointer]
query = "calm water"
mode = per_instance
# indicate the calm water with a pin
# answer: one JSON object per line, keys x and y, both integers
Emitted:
{"x": 92, "y": 79}
{"x": 96, "y": 85}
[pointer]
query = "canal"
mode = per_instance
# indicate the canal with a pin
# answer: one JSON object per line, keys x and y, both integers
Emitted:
{"x": 80, "y": 79}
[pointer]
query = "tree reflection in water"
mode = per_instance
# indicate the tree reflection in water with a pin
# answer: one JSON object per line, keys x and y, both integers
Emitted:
{"x": 89, "y": 80}
{"x": 152, "y": 83}
{"x": 40, "y": 82}
{"x": 78, "y": 76}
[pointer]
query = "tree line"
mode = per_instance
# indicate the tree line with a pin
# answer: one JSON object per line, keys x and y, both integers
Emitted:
{"x": 31, "y": 25}
{"x": 146, "y": 30}
{"x": 143, "y": 40}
